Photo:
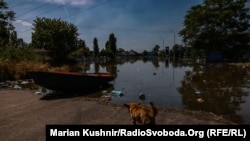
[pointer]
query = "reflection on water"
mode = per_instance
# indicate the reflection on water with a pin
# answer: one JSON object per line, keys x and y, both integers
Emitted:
{"x": 218, "y": 88}
{"x": 222, "y": 88}
{"x": 100, "y": 92}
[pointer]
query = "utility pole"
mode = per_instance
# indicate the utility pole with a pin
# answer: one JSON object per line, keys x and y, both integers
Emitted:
{"x": 174, "y": 35}
{"x": 162, "y": 43}
{"x": 174, "y": 42}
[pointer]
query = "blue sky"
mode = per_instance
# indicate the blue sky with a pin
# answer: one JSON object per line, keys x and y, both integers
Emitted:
{"x": 137, "y": 24}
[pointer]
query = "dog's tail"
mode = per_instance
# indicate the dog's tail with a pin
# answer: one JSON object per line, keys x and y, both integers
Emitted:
{"x": 155, "y": 111}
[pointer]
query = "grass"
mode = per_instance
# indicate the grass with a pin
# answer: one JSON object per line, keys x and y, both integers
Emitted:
{"x": 19, "y": 69}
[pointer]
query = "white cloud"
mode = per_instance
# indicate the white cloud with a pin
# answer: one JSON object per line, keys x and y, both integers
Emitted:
{"x": 70, "y": 2}
{"x": 24, "y": 23}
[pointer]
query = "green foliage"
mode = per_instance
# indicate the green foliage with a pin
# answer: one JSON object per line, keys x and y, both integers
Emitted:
{"x": 96, "y": 47}
{"x": 155, "y": 50}
{"x": 110, "y": 47}
{"x": 144, "y": 53}
{"x": 12, "y": 49}
{"x": 218, "y": 25}
{"x": 57, "y": 36}
{"x": 7, "y": 30}
{"x": 112, "y": 43}
{"x": 80, "y": 53}
{"x": 14, "y": 54}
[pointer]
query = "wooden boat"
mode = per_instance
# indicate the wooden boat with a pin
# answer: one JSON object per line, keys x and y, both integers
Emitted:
{"x": 70, "y": 81}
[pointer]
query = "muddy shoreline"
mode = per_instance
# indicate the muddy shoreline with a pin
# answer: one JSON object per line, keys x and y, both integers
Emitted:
{"x": 25, "y": 114}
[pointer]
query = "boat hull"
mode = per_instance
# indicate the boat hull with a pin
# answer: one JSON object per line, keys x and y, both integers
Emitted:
{"x": 70, "y": 81}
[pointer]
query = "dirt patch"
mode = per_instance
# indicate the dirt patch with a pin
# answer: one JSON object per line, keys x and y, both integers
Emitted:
{"x": 25, "y": 114}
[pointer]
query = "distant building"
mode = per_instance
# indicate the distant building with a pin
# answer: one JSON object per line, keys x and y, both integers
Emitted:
{"x": 167, "y": 51}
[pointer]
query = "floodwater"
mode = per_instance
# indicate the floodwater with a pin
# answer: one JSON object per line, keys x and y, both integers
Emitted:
{"x": 218, "y": 88}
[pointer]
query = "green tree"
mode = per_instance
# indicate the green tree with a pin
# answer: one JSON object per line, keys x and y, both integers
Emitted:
{"x": 11, "y": 48}
{"x": 81, "y": 44}
{"x": 82, "y": 50}
{"x": 112, "y": 41}
{"x": 145, "y": 53}
{"x": 108, "y": 52}
{"x": 57, "y": 36}
{"x": 96, "y": 47}
{"x": 7, "y": 30}
{"x": 155, "y": 50}
{"x": 218, "y": 25}
{"x": 112, "y": 45}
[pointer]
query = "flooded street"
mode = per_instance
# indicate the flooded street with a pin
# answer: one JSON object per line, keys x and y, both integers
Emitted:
{"x": 221, "y": 89}
{"x": 218, "y": 88}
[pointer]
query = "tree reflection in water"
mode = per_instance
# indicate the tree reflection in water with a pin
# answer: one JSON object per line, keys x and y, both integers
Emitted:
{"x": 221, "y": 87}
{"x": 218, "y": 88}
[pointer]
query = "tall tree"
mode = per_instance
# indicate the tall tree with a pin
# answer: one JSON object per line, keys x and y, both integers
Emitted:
{"x": 55, "y": 35}
{"x": 218, "y": 25}
{"x": 108, "y": 52}
{"x": 81, "y": 44}
{"x": 96, "y": 47}
{"x": 112, "y": 43}
{"x": 82, "y": 50}
{"x": 110, "y": 46}
{"x": 155, "y": 50}
{"x": 7, "y": 30}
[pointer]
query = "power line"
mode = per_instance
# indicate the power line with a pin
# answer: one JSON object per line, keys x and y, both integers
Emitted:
{"x": 16, "y": 5}
{"x": 52, "y": 9}
{"x": 33, "y": 9}
{"x": 97, "y": 5}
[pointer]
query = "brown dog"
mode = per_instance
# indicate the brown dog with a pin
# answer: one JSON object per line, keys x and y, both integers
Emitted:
{"x": 142, "y": 114}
